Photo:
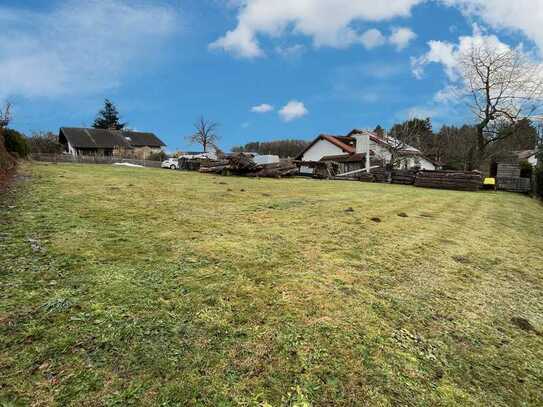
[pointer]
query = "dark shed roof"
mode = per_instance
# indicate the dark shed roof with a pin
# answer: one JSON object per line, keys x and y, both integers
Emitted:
{"x": 99, "y": 138}
{"x": 139, "y": 139}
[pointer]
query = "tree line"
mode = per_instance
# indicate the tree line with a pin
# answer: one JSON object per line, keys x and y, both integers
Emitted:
{"x": 282, "y": 148}
{"x": 457, "y": 147}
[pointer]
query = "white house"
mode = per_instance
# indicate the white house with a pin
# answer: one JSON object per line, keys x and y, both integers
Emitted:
{"x": 327, "y": 147}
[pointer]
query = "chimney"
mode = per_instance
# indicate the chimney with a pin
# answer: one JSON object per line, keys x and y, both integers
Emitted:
{"x": 363, "y": 147}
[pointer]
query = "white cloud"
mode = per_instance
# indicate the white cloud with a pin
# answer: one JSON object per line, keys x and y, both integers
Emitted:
{"x": 525, "y": 16}
{"x": 293, "y": 110}
{"x": 447, "y": 54}
{"x": 326, "y": 22}
{"x": 78, "y": 46}
{"x": 372, "y": 38}
{"x": 290, "y": 51}
{"x": 401, "y": 37}
{"x": 263, "y": 108}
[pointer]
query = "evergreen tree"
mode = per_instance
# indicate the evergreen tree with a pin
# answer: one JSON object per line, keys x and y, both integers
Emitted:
{"x": 108, "y": 118}
{"x": 379, "y": 131}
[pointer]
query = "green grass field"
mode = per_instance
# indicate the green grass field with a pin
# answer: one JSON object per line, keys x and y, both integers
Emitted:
{"x": 125, "y": 286}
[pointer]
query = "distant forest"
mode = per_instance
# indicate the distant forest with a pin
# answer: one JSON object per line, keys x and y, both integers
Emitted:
{"x": 282, "y": 148}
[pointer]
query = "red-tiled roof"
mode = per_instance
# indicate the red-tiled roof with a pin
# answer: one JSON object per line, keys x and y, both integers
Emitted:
{"x": 337, "y": 141}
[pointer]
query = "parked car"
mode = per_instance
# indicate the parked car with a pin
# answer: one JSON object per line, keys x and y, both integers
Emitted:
{"x": 171, "y": 163}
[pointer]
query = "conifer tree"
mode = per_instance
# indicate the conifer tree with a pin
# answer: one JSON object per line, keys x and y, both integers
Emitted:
{"x": 108, "y": 118}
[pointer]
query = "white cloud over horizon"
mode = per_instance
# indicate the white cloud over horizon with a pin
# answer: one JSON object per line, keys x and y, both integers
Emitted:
{"x": 293, "y": 110}
{"x": 263, "y": 108}
{"x": 327, "y": 23}
{"x": 74, "y": 48}
{"x": 331, "y": 23}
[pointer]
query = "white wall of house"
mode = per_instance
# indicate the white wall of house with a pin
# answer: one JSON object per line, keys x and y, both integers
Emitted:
{"x": 380, "y": 151}
{"x": 71, "y": 150}
{"x": 532, "y": 160}
{"x": 409, "y": 162}
{"x": 427, "y": 165}
{"x": 321, "y": 148}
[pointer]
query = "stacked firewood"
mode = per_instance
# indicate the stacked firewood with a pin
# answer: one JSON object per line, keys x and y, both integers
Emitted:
{"x": 404, "y": 177}
{"x": 242, "y": 164}
{"x": 379, "y": 174}
{"x": 458, "y": 180}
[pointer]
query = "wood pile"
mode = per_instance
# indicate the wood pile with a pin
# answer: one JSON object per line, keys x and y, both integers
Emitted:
{"x": 457, "y": 180}
{"x": 365, "y": 177}
{"x": 514, "y": 184}
{"x": 506, "y": 170}
{"x": 193, "y": 164}
{"x": 379, "y": 174}
{"x": 275, "y": 170}
{"x": 404, "y": 177}
{"x": 215, "y": 167}
{"x": 241, "y": 164}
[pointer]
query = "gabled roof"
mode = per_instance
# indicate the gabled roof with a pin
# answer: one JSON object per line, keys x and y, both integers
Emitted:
{"x": 140, "y": 139}
{"x": 338, "y": 141}
{"x": 100, "y": 138}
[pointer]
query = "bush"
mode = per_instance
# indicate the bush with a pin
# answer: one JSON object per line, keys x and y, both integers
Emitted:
{"x": 45, "y": 143}
{"x": 158, "y": 156}
{"x": 526, "y": 169}
{"x": 16, "y": 143}
{"x": 539, "y": 180}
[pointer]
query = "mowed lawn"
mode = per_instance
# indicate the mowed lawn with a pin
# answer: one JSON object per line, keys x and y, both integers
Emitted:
{"x": 128, "y": 286}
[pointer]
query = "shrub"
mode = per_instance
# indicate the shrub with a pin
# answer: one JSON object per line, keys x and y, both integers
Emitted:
{"x": 16, "y": 143}
{"x": 539, "y": 181}
{"x": 45, "y": 143}
{"x": 526, "y": 169}
{"x": 161, "y": 156}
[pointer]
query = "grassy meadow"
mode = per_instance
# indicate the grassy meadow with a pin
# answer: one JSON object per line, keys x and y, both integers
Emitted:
{"x": 126, "y": 286}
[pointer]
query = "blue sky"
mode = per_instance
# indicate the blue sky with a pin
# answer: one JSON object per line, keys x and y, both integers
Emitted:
{"x": 263, "y": 69}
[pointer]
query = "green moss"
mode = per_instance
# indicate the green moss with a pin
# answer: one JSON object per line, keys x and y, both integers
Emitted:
{"x": 149, "y": 287}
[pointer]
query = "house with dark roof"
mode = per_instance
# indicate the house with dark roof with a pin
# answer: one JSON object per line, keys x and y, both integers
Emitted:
{"x": 82, "y": 141}
{"x": 343, "y": 149}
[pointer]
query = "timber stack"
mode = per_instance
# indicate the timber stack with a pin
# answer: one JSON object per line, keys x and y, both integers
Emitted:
{"x": 404, "y": 177}
{"x": 242, "y": 164}
{"x": 457, "y": 180}
{"x": 379, "y": 174}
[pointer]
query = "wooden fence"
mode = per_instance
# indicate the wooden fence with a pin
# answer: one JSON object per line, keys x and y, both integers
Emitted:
{"x": 66, "y": 158}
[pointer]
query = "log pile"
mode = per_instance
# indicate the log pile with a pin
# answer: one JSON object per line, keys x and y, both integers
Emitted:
{"x": 457, "y": 180}
{"x": 514, "y": 184}
{"x": 506, "y": 170}
{"x": 241, "y": 164}
{"x": 379, "y": 174}
{"x": 365, "y": 177}
{"x": 404, "y": 177}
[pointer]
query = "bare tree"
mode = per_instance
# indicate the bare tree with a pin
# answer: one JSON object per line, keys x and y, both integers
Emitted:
{"x": 205, "y": 134}
{"x": 503, "y": 86}
{"x": 401, "y": 139}
{"x": 5, "y": 115}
